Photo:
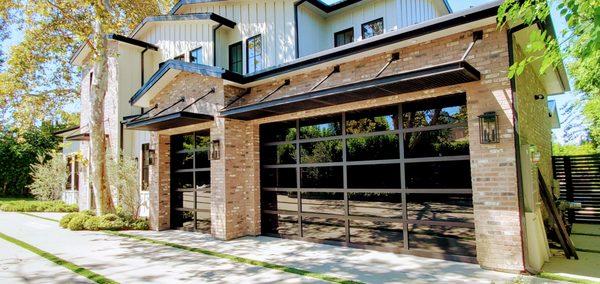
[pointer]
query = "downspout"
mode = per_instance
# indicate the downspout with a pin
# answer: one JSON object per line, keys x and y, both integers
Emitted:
{"x": 520, "y": 193}
{"x": 298, "y": 3}
{"x": 215, "y": 44}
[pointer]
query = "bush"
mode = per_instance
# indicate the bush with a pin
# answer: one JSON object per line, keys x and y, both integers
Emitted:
{"x": 77, "y": 223}
{"x": 49, "y": 176}
{"x": 86, "y": 220}
{"x": 36, "y": 206}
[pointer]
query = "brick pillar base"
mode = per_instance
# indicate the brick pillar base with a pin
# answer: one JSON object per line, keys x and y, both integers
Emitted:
{"x": 235, "y": 192}
{"x": 160, "y": 183}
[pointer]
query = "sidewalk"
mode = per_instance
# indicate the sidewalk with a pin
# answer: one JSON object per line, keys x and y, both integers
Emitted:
{"x": 129, "y": 261}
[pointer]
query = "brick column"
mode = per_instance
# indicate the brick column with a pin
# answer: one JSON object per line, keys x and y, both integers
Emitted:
{"x": 160, "y": 183}
{"x": 235, "y": 192}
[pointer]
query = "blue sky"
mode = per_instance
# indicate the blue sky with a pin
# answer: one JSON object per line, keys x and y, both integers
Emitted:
{"x": 456, "y": 5}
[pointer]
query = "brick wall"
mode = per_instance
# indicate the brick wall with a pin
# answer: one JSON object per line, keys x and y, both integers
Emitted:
{"x": 160, "y": 183}
{"x": 235, "y": 177}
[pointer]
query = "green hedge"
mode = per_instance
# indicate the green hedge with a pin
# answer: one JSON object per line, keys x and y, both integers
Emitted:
{"x": 30, "y": 205}
{"x": 86, "y": 220}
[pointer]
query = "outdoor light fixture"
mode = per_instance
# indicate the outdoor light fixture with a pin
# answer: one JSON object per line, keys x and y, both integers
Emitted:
{"x": 215, "y": 150}
{"x": 151, "y": 156}
{"x": 539, "y": 97}
{"x": 488, "y": 128}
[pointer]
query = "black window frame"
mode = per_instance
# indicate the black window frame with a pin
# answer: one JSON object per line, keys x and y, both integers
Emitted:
{"x": 145, "y": 167}
{"x": 240, "y": 61}
{"x": 335, "y": 35}
{"x": 362, "y": 27}
{"x": 259, "y": 36}
{"x": 272, "y": 181}
{"x": 198, "y": 57}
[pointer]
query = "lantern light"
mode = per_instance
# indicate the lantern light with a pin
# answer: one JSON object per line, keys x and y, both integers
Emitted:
{"x": 489, "y": 128}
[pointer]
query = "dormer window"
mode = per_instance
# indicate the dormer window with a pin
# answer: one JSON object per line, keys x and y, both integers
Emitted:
{"x": 343, "y": 37}
{"x": 372, "y": 28}
{"x": 254, "y": 54}
{"x": 196, "y": 55}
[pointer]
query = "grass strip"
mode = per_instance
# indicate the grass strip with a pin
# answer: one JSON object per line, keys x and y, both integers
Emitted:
{"x": 587, "y": 250}
{"x": 554, "y": 276}
{"x": 36, "y": 216}
{"x": 239, "y": 259}
{"x": 586, "y": 234}
{"x": 57, "y": 260}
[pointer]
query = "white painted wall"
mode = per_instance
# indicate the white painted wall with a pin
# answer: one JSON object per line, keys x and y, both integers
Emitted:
{"x": 316, "y": 29}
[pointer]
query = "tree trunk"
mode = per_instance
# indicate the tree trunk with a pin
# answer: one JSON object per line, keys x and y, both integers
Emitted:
{"x": 103, "y": 197}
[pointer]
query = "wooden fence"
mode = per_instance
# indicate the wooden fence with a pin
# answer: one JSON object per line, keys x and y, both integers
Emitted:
{"x": 579, "y": 178}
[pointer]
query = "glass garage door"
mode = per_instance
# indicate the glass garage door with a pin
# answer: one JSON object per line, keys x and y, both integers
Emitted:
{"x": 190, "y": 182}
{"x": 394, "y": 178}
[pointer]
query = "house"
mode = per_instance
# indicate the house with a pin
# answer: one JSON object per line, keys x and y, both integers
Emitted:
{"x": 381, "y": 124}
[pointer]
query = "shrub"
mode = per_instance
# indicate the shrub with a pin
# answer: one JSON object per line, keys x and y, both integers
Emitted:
{"x": 124, "y": 185}
{"x": 49, "y": 177}
{"x": 86, "y": 220}
{"x": 77, "y": 223}
{"x": 36, "y": 206}
{"x": 64, "y": 222}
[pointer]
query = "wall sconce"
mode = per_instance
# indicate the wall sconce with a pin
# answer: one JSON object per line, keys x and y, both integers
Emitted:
{"x": 215, "y": 150}
{"x": 539, "y": 97}
{"x": 151, "y": 156}
{"x": 489, "y": 128}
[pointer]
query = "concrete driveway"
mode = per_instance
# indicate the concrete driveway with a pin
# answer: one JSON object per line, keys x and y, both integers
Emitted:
{"x": 128, "y": 260}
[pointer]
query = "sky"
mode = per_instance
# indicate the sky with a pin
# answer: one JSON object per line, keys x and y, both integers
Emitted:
{"x": 456, "y": 5}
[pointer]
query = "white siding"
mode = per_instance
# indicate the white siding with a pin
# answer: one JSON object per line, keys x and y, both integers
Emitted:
{"x": 272, "y": 19}
{"x": 316, "y": 31}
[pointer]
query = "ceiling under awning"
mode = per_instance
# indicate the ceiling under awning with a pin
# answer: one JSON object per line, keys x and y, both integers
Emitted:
{"x": 446, "y": 74}
{"x": 167, "y": 121}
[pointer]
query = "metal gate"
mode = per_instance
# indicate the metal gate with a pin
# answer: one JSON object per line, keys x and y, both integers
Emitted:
{"x": 579, "y": 178}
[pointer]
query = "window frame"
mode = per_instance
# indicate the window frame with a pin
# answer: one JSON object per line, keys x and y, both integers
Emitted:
{"x": 362, "y": 27}
{"x": 239, "y": 44}
{"x": 191, "y": 56}
{"x": 350, "y": 29}
{"x": 259, "y": 36}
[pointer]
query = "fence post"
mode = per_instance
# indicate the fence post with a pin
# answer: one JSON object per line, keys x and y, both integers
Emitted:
{"x": 569, "y": 187}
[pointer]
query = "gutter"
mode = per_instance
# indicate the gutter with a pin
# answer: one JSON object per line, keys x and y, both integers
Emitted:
{"x": 517, "y": 144}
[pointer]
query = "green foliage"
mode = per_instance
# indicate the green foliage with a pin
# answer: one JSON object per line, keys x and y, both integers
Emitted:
{"x": 586, "y": 148}
{"x": 86, "y": 220}
{"x": 123, "y": 183}
{"x": 49, "y": 177}
{"x": 35, "y": 206}
{"x": 18, "y": 150}
{"x": 581, "y": 47}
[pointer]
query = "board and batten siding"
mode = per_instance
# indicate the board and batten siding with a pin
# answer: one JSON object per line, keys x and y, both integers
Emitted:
{"x": 273, "y": 20}
{"x": 316, "y": 30}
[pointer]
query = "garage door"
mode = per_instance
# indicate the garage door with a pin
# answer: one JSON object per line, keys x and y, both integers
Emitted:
{"x": 395, "y": 178}
{"x": 190, "y": 177}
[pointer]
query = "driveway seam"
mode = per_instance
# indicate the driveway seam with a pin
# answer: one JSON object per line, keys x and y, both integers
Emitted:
{"x": 59, "y": 261}
{"x": 238, "y": 259}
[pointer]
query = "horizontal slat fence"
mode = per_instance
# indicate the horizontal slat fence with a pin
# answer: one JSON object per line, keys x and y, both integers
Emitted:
{"x": 579, "y": 178}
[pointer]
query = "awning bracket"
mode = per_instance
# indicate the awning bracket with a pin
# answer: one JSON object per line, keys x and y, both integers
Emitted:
{"x": 143, "y": 113}
{"x": 212, "y": 90}
{"x": 395, "y": 57}
{"x": 285, "y": 83}
{"x": 336, "y": 69}
{"x": 182, "y": 99}
{"x": 238, "y": 98}
{"x": 477, "y": 36}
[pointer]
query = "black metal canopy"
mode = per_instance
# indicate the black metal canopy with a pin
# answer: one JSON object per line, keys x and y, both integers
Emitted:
{"x": 446, "y": 74}
{"x": 79, "y": 137}
{"x": 167, "y": 121}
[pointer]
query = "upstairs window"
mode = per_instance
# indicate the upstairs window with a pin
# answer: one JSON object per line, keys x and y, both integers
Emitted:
{"x": 254, "y": 54}
{"x": 343, "y": 37}
{"x": 372, "y": 28}
{"x": 196, "y": 55}
{"x": 235, "y": 58}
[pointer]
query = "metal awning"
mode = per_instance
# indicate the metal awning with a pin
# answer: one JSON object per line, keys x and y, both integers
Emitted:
{"x": 167, "y": 121}
{"x": 79, "y": 137}
{"x": 446, "y": 74}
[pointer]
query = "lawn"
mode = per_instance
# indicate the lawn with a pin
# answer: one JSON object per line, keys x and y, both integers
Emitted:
{"x": 21, "y": 204}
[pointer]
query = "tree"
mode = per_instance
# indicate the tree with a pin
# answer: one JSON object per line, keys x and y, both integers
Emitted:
{"x": 38, "y": 74}
{"x": 581, "y": 47}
